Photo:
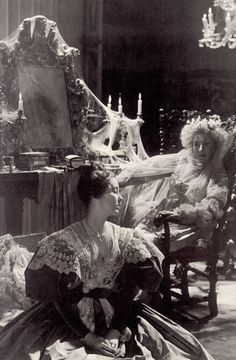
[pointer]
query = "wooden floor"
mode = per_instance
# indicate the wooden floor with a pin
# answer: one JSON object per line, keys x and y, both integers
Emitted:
{"x": 218, "y": 335}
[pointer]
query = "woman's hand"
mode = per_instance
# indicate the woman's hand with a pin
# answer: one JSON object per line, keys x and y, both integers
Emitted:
{"x": 99, "y": 344}
{"x": 113, "y": 338}
{"x": 204, "y": 217}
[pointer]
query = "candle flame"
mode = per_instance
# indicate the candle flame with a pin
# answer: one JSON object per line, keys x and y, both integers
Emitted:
{"x": 139, "y": 96}
{"x": 109, "y": 99}
{"x": 119, "y": 100}
{"x": 20, "y": 96}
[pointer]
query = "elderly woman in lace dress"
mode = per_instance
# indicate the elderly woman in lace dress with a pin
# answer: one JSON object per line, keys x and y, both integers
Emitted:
{"x": 85, "y": 281}
{"x": 195, "y": 194}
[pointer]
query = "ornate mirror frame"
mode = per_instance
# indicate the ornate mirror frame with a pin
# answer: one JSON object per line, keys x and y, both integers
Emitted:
{"x": 38, "y": 43}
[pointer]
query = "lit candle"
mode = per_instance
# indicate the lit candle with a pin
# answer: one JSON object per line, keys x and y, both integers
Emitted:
{"x": 120, "y": 108}
{"x": 205, "y": 24}
{"x": 228, "y": 21}
{"x": 139, "y": 104}
{"x": 210, "y": 18}
{"x": 20, "y": 103}
{"x": 109, "y": 102}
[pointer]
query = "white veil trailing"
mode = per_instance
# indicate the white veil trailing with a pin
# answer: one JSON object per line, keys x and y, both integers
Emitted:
{"x": 145, "y": 186}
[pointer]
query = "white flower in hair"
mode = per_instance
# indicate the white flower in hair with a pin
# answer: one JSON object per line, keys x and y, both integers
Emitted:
{"x": 211, "y": 125}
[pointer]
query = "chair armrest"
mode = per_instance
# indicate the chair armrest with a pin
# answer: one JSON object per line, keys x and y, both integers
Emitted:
{"x": 163, "y": 218}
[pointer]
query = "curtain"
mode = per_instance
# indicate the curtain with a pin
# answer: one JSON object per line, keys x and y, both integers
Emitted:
{"x": 12, "y": 12}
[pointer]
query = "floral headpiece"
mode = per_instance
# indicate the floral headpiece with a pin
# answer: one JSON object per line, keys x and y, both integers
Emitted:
{"x": 212, "y": 126}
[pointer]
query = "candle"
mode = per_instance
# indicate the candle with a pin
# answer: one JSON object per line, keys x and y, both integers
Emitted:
{"x": 139, "y": 104}
{"x": 205, "y": 24}
{"x": 20, "y": 103}
{"x": 120, "y": 108}
{"x": 228, "y": 21}
{"x": 210, "y": 18}
{"x": 109, "y": 102}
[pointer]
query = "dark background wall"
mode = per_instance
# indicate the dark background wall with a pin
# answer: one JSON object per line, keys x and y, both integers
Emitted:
{"x": 152, "y": 47}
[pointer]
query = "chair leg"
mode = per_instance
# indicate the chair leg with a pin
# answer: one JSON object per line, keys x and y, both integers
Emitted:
{"x": 184, "y": 283}
{"x": 229, "y": 259}
{"x": 212, "y": 299}
{"x": 213, "y": 308}
{"x": 165, "y": 286}
{"x": 166, "y": 281}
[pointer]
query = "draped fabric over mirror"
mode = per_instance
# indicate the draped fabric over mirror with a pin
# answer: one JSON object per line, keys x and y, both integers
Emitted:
{"x": 61, "y": 111}
{"x": 38, "y": 63}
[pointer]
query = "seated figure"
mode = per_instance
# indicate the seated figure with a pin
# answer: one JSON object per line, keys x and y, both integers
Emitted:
{"x": 195, "y": 194}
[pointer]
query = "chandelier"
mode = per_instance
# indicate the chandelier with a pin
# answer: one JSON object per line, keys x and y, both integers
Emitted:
{"x": 219, "y": 29}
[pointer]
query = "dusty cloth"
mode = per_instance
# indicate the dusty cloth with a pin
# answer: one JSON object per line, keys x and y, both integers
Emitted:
{"x": 13, "y": 261}
{"x": 58, "y": 199}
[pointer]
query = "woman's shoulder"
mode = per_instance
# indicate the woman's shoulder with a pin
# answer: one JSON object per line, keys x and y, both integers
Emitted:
{"x": 119, "y": 235}
{"x": 135, "y": 244}
{"x": 62, "y": 251}
{"x": 183, "y": 156}
{"x": 64, "y": 237}
{"x": 143, "y": 242}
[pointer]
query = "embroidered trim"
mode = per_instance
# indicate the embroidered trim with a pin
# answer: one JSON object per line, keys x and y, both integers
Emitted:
{"x": 60, "y": 252}
{"x": 141, "y": 247}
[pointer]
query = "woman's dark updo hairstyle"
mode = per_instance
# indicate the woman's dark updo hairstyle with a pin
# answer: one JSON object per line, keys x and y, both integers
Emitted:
{"x": 93, "y": 182}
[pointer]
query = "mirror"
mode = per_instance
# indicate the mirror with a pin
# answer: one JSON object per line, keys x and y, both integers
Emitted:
{"x": 37, "y": 63}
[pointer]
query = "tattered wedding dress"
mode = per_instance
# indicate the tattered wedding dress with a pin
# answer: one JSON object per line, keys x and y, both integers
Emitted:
{"x": 189, "y": 188}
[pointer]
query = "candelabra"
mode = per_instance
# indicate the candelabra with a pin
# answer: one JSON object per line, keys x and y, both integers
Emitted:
{"x": 222, "y": 30}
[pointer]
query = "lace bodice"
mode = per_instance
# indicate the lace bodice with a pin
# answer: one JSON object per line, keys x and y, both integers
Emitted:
{"x": 71, "y": 251}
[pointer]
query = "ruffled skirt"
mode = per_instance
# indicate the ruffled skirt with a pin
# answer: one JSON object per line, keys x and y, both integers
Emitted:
{"x": 40, "y": 333}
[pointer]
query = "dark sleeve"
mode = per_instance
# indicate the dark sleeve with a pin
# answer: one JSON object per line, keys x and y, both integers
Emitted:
{"x": 46, "y": 284}
{"x": 145, "y": 275}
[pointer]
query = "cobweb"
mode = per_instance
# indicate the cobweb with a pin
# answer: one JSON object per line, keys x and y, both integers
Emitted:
{"x": 38, "y": 42}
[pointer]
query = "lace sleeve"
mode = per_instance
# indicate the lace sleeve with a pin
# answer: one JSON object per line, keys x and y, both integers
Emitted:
{"x": 55, "y": 269}
{"x": 58, "y": 252}
{"x": 218, "y": 187}
{"x": 211, "y": 207}
{"x": 217, "y": 192}
{"x": 141, "y": 247}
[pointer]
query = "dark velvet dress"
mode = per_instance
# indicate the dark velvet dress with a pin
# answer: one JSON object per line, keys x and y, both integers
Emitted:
{"x": 79, "y": 286}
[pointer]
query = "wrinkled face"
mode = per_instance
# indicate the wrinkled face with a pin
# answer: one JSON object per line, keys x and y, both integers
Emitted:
{"x": 111, "y": 200}
{"x": 202, "y": 147}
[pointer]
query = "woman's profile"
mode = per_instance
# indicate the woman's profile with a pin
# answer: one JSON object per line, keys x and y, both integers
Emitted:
{"x": 85, "y": 283}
